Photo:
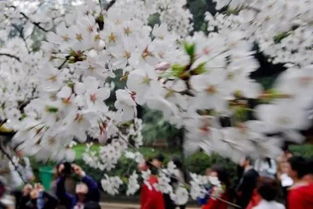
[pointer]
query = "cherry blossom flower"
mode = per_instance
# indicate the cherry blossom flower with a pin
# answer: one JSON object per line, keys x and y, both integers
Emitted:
{"x": 133, "y": 185}
{"x": 111, "y": 184}
{"x": 56, "y": 77}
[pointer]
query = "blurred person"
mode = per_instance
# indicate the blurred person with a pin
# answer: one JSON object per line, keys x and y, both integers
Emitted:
{"x": 223, "y": 177}
{"x": 2, "y": 192}
{"x": 15, "y": 171}
{"x": 282, "y": 171}
{"x": 70, "y": 178}
{"x": 150, "y": 198}
{"x": 268, "y": 190}
{"x": 181, "y": 177}
{"x": 39, "y": 199}
{"x": 300, "y": 195}
{"x": 266, "y": 167}
{"x": 247, "y": 183}
{"x": 308, "y": 177}
{"x": 285, "y": 155}
{"x": 85, "y": 191}
{"x": 203, "y": 200}
{"x": 92, "y": 205}
{"x": 25, "y": 196}
{"x": 5, "y": 175}
{"x": 70, "y": 183}
{"x": 158, "y": 161}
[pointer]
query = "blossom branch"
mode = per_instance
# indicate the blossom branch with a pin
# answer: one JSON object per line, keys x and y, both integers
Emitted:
{"x": 37, "y": 24}
{"x": 20, "y": 31}
{"x": 11, "y": 56}
{"x": 63, "y": 63}
{"x": 34, "y": 23}
{"x": 110, "y": 5}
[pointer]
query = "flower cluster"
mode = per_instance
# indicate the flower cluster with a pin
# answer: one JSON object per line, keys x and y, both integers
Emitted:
{"x": 111, "y": 184}
{"x": 59, "y": 61}
{"x": 133, "y": 184}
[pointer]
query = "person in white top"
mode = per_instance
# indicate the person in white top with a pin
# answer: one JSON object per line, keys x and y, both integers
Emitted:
{"x": 266, "y": 167}
{"x": 268, "y": 189}
{"x": 269, "y": 205}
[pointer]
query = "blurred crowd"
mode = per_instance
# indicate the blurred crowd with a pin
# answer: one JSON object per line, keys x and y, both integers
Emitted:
{"x": 72, "y": 188}
{"x": 286, "y": 182}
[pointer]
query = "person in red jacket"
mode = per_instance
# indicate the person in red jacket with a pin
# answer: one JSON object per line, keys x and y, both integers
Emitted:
{"x": 300, "y": 195}
{"x": 150, "y": 198}
{"x": 223, "y": 177}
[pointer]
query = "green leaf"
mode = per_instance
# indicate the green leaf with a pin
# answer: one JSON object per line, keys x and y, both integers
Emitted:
{"x": 23, "y": 116}
{"x": 154, "y": 19}
{"x": 177, "y": 70}
{"x": 280, "y": 36}
{"x": 190, "y": 48}
{"x": 233, "y": 11}
{"x": 241, "y": 113}
{"x": 199, "y": 70}
{"x": 146, "y": 80}
{"x": 70, "y": 84}
{"x": 52, "y": 109}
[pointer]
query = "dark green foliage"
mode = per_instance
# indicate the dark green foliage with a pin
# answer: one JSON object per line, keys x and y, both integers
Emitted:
{"x": 154, "y": 19}
{"x": 200, "y": 161}
{"x": 305, "y": 150}
{"x": 198, "y": 9}
{"x": 155, "y": 128}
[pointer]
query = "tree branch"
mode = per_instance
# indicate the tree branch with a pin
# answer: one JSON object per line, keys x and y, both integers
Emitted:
{"x": 37, "y": 24}
{"x": 110, "y": 5}
{"x": 11, "y": 56}
{"x": 34, "y": 23}
{"x": 20, "y": 31}
{"x": 64, "y": 62}
{"x": 100, "y": 4}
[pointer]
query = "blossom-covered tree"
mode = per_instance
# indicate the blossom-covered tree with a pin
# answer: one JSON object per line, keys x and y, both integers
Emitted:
{"x": 58, "y": 60}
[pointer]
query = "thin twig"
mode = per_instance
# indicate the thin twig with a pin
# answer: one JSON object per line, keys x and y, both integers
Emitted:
{"x": 125, "y": 140}
{"x": 37, "y": 24}
{"x": 34, "y": 23}
{"x": 63, "y": 63}
{"x": 110, "y": 5}
{"x": 20, "y": 31}
{"x": 3, "y": 122}
{"x": 11, "y": 56}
